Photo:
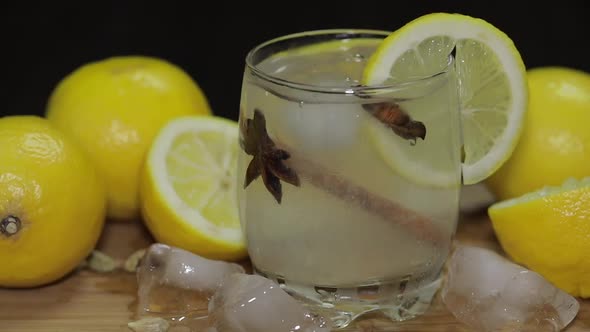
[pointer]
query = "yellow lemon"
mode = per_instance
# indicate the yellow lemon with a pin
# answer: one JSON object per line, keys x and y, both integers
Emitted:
{"x": 189, "y": 187}
{"x": 113, "y": 108}
{"x": 52, "y": 203}
{"x": 548, "y": 230}
{"x": 555, "y": 143}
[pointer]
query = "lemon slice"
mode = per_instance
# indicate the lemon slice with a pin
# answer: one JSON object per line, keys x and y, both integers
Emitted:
{"x": 493, "y": 93}
{"x": 188, "y": 189}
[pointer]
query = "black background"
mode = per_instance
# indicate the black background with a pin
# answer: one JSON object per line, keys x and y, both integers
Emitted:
{"x": 41, "y": 43}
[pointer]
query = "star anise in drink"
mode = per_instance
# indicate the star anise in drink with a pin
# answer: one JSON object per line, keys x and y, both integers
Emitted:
{"x": 267, "y": 159}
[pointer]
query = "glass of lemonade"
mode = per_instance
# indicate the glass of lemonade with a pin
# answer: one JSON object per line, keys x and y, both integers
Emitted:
{"x": 349, "y": 194}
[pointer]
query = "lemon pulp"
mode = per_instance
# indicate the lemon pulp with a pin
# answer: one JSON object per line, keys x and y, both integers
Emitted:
{"x": 189, "y": 196}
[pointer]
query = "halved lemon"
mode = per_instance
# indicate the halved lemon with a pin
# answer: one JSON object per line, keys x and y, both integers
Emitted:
{"x": 492, "y": 90}
{"x": 547, "y": 230}
{"x": 188, "y": 189}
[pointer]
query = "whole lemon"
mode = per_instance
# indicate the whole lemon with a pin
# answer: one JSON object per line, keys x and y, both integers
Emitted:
{"x": 52, "y": 203}
{"x": 114, "y": 107}
{"x": 555, "y": 143}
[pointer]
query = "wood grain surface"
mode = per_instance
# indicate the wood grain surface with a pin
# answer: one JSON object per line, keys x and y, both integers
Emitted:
{"x": 90, "y": 301}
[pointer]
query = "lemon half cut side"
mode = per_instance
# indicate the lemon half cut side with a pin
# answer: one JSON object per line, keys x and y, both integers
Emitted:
{"x": 189, "y": 197}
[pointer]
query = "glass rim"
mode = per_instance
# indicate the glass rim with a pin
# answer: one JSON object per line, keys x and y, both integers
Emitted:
{"x": 335, "y": 89}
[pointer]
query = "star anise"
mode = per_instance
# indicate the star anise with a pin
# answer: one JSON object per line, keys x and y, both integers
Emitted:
{"x": 267, "y": 158}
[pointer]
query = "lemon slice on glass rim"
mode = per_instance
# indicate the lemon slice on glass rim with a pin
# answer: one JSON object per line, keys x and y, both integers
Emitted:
{"x": 188, "y": 187}
{"x": 492, "y": 91}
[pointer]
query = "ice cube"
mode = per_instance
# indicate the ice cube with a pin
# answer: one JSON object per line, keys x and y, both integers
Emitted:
{"x": 157, "y": 323}
{"x": 475, "y": 198}
{"x": 175, "y": 281}
{"x": 491, "y": 293}
{"x": 315, "y": 127}
{"x": 253, "y": 303}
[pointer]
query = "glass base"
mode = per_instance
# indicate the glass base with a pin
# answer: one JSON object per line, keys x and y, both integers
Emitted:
{"x": 400, "y": 299}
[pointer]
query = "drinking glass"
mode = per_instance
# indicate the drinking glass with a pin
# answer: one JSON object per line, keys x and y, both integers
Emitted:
{"x": 348, "y": 193}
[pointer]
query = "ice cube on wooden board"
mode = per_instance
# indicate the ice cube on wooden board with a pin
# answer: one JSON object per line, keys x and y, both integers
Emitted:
{"x": 175, "y": 285}
{"x": 174, "y": 281}
{"x": 253, "y": 303}
{"x": 491, "y": 293}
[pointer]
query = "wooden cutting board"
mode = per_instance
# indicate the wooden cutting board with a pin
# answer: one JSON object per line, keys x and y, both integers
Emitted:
{"x": 89, "y": 301}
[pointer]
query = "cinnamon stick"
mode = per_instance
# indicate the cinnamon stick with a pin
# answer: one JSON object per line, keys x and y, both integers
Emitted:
{"x": 418, "y": 225}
